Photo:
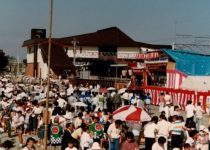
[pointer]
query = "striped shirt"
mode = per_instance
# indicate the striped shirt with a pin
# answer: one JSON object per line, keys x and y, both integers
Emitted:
{"x": 177, "y": 127}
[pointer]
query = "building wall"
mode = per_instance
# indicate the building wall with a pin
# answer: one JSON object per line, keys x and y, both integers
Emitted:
{"x": 29, "y": 69}
{"x": 127, "y": 52}
{"x": 171, "y": 66}
{"x": 84, "y": 52}
{"x": 42, "y": 67}
{"x": 30, "y": 57}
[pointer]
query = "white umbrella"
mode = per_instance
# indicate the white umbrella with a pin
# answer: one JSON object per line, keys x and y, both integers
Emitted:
{"x": 21, "y": 85}
{"x": 111, "y": 89}
{"x": 9, "y": 85}
{"x": 4, "y": 80}
{"x": 80, "y": 104}
{"x": 95, "y": 90}
{"x": 8, "y": 90}
{"x": 121, "y": 91}
{"x": 83, "y": 89}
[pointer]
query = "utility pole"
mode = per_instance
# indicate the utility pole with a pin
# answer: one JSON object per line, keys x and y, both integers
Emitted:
{"x": 48, "y": 75}
{"x": 74, "y": 42}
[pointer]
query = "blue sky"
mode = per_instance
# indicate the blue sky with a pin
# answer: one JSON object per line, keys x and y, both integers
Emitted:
{"x": 152, "y": 21}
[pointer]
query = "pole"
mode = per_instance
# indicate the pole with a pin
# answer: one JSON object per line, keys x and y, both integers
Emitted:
{"x": 74, "y": 42}
{"x": 48, "y": 76}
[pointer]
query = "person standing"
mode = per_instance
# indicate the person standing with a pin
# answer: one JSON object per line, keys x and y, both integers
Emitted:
{"x": 177, "y": 132}
{"x": 163, "y": 128}
{"x": 189, "y": 112}
{"x": 97, "y": 130}
{"x": 161, "y": 102}
{"x": 199, "y": 115}
{"x": 85, "y": 139}
{"x": 56, "y": 132}
{"x": 67, "y": 135}
{"x": 20, "y": 127}
{"x": 150, "y": 131}
{"x": 114, "y": 134}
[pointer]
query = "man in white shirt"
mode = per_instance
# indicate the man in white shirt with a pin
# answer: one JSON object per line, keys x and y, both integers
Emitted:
{"x": 163, "y": 123}
{"x": 167, "y": 98}
{"x": 61, "y": 102}
{"x": 163, "y": 128}
{"x": 189, "y": 112}
{"x": 85, "y": 139}
{"x": 114, "y": 134}
{"x": 150, "y": 130}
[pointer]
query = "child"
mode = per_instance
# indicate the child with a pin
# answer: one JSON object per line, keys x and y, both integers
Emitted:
{"x": 26, "y": 121}
{"x": 71, "y": 146}
{"x": 40, "y": 129}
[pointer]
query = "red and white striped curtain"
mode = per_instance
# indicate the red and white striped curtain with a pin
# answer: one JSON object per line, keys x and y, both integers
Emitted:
{"x": 179, "y": 96}
{"x": 174, "y": 79}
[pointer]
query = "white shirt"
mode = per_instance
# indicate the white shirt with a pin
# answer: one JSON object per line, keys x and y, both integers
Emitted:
{"x": 113, "y": 131}
{"x": 72, "y": 99}
{"x": 156, "y": 146}
{"x": 70, "y": 91}
{"x": 37, "y": 110}
{"x": 85, "y": 140}
{"x": 163, "y": 128}
{"x": 95, "y": 100}
{"x": 171, "y": 110}
{"x": 77, "y": 122}
{"x": 190, "y": 110}
{"x": 166, "y": 110}
{"x": 167, "y": 98}
{"x": 74, "y": 148}
{"x": 149, "y": 130}
{"x": 199, "y": 112}
{"x": 61, "y": 102}
{"x": 26, "y": 148}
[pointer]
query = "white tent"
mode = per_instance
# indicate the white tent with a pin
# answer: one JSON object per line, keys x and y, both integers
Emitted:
{"x": 196, "y": 83}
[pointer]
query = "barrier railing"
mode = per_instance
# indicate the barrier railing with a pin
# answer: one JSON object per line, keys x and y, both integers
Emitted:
{"x": 179, "y": 96}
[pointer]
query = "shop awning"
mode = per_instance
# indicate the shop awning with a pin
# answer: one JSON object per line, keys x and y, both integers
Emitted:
{"x": 189, "y": 62}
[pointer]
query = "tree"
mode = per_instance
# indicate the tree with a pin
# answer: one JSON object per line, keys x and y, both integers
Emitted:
{"x": 3, "y": 60}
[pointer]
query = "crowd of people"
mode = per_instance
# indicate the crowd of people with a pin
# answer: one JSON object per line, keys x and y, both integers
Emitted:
{"x": 80, "y": 117}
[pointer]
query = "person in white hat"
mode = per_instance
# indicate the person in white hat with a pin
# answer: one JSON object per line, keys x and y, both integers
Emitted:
{"x": 203, "y": 138}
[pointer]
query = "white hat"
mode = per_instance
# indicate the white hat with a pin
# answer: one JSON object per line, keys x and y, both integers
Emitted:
{"x": 95, "y": 146}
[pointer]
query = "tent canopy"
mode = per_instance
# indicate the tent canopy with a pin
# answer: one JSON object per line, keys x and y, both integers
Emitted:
{"x": 196, "y": 83}
{"x": 190, "y": 62}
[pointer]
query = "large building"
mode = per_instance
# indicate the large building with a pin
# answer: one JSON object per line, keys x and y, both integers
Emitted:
{"x": 104, "y": 53}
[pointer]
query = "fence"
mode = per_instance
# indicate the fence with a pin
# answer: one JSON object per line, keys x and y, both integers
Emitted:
{"x": 179, "y": 96}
